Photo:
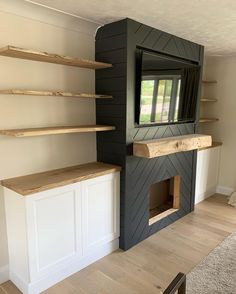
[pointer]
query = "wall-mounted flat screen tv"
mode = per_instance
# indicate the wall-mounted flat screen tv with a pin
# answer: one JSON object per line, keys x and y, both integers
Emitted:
{"x": 166, "y": 89}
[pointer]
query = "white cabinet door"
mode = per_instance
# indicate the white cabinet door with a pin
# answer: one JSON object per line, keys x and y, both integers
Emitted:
{"x": 66, "y": 224}
{"x": 208, "y": 162}
{"x": 100, "y": 211}
{"x": 54, "y": 229}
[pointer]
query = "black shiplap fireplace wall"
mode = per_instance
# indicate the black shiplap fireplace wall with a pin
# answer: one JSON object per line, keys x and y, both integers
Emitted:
{"x": 116, "y": 43}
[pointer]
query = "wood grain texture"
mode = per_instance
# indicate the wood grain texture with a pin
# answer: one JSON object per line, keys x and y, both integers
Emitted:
{"x": 53, "y": 93}
{"x": 208, "y": 119}
{"x": 166, "y": 146}
{"x": 22, "y": 53}
{"x": 55, "y": 130}
{"x": 157, "y": 216}
{"x": 30, "y": 184}
{"x": 208, "y": 100}
{"x": 161, "y": 215}
{"x": 176, "y": 199}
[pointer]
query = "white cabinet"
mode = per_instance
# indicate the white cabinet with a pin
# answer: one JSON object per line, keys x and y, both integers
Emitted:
{"x": 208, "y": 161}
{"x": 54, "y": 227}
{"x": 55, "y": 233}
{"x": 99, "y": 205}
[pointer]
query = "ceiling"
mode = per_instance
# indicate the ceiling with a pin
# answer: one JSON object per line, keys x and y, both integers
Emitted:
{"x": 211, "y": 23}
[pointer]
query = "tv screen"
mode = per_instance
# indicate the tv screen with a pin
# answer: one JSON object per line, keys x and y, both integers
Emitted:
{"x": 166, "y": 90}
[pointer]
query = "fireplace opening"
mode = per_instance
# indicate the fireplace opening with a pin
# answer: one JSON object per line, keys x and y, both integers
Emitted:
{"x": 164, "y": 199}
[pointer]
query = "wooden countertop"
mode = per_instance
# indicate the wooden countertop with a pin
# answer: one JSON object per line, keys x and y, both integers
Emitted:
{"x": 30, "y": 184}
{"x": 214, "y": 144}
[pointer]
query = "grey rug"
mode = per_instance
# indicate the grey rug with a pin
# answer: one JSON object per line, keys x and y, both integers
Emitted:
{"x": 217, "y": 272}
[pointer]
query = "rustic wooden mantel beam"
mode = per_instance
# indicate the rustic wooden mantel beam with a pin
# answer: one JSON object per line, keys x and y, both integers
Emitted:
{"x": 166, "y": 146}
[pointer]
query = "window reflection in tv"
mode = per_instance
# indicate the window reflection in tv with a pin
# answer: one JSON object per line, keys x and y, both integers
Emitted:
{"x": 167, "y": 91}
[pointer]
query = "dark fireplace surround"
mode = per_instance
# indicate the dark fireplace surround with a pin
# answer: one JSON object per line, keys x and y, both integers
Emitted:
{"x": 116, "y": 43}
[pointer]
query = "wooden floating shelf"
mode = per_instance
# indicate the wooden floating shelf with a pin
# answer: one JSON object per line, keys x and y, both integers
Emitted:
{"x": 16, "y": 52}
{"x": 214, "y": 144}
{"x": 209, "y": 81}
{"x": 53, "y": 93}
{"x": 208, "y": 100}
{"x": 30, "y": 132}
{"x": 39, "y": 182}
{"x": 166, "y": 146}
{"x": 208, "y": 120}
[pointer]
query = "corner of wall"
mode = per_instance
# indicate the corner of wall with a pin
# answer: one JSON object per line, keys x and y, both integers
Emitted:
{"x": 4, "y": 274}
{"x": 49, "y": 16}
{"x": 202, "y": 196}
{"x": 227, "y": 191}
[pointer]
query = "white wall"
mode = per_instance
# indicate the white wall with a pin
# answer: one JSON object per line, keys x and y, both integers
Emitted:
{"x": 223, "y": 69}
{"x": 26, "y": 25}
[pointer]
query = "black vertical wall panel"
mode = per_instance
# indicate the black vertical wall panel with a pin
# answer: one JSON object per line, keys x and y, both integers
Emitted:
{"x": 116, "y": 43}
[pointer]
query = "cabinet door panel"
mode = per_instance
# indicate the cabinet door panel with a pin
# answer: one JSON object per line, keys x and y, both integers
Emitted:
{"x": 100, "y": 211}
{"x": 207, "y": 171}
{"x": 54, "y": 229}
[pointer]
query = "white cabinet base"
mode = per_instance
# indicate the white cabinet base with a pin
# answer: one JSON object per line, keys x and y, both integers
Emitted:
{"x": 55, "y": 233}
{"x": 63, "y": 271}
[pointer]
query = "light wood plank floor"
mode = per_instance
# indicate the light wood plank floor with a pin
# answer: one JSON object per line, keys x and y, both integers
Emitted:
{"x": 151, "y": 265}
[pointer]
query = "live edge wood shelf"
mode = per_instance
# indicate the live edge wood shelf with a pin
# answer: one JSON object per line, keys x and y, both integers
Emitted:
{"x": 53, "y": 93}
{"x": 55, "y": 130}
{"x": 166, "y": 146}
{"x": 208, "y": 119}
{"x": 16, "y": 52}
{"x": 30, "y": 184}
{"x": 208, "y": 100}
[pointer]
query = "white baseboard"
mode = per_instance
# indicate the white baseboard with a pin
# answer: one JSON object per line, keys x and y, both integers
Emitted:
{"x": 224, "y": 190}
{"x": 19, "y": 282}
{"x": 202, "y": 196}
{"x": 4, "y": 274}
{"x": 64, "y": 271}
